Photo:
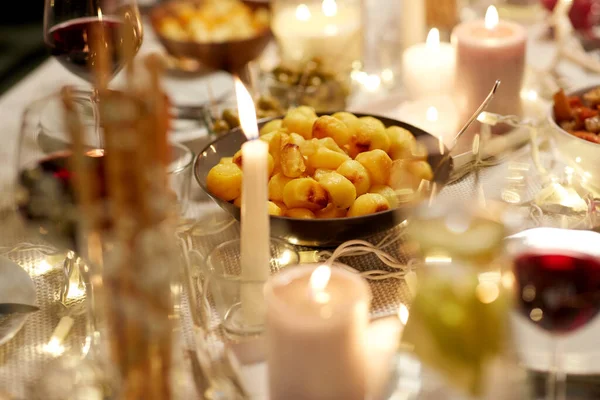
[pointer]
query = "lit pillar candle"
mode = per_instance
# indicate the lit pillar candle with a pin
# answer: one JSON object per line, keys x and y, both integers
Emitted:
{"x": 486, "y": 51}
{"x": 255, "y": 233}
{"x": 325, "y": 30}
{"x": 316, "y": 327}
{"x": 428, "y": 68}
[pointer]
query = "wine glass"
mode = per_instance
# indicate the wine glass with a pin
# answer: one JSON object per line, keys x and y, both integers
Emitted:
{"x": 557, "y": 286}
{"x": 73, "y": 30}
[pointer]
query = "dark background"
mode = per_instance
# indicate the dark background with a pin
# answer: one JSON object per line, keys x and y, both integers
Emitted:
{"x": 21, "y": 40}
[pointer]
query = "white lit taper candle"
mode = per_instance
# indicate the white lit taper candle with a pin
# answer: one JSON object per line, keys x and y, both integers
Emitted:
{"x": 255, "y": 234}
{"x": 316, "y": 332}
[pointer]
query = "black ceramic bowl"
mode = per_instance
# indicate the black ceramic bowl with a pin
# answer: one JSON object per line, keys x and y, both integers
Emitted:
{"x": 319, "y": 232}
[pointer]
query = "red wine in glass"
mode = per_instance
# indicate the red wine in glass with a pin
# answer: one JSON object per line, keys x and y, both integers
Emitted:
{"x": 71, "y": 43}
{"x": 559, "y": 292}
{"x": 48, "y": 198}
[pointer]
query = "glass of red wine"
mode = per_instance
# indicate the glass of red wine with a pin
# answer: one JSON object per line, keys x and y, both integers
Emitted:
{"x": 74, "y": 29}
{"x": 557, "y": 285}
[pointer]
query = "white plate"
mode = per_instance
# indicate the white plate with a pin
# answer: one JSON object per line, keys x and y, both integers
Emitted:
{"x": 16, "y": 286}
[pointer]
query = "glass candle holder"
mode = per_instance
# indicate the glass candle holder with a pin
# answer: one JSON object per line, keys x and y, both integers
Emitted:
{"x": 326, "y": 31}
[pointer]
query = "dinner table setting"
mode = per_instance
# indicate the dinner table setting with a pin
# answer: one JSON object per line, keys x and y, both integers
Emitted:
{"x": 304, "y": 200}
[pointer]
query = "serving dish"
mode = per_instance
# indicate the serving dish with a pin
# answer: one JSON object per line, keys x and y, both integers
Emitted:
{"x": 327, "y": 232}
{"x": 231, "y": 56}
{"x": 578, "y": 153}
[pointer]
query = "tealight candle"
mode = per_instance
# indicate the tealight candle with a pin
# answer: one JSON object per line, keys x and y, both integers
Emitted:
{"x": 255, "y": 232}
{"x": 316, "y": 328}
{"x": 428, "y": 68}
{"x": 486, "y": 51}
{"x": 436, "y": 115}
{"x": 327, "y": 30}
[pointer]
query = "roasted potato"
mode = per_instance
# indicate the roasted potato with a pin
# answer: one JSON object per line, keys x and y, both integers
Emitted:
{"x": 378, "y": 163}
{"x": 226, "y": 160}
{"x": 305, "y": 193}
{"x": 300, "y": 213}
{"x": 329, "y": 127}
{"x": 300, "y": 120}
{"x": 407, "y": 174}
{"x": 271, "y": 126}
{"x": 357, "y": 174}
{"x": 387, "y": 192}
{"x": 369, "y": 134}
{"x": 274, "y": 209}
{"x": 331, "y": 211}
{"x": 320, "y": 172}
{"x": 277, "y": 142}
{"x": 402, "y": 142}
{"x": 296, "y": 139}
{"x": 237, "y": 160}
{"x": 326, "y": 158}
{"x": 330, "y": 144}
{"x": 292, "y": 162}
{"x": 225, "y": 181}
{"x": 347, "y": 118}
{"x": 368, "y": 203}
{"x": 276, "y": 185}
{"x": 341, "y": 191}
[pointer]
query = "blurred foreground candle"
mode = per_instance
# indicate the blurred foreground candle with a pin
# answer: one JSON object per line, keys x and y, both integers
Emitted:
{"x": 428, "y": 68}
{"x": 327, "y": 30}
{"x": 487, "y": 51}
{"x": 255, "y": 233}
{"x": 316, "y": 327}
{"x": 436, "y": 115}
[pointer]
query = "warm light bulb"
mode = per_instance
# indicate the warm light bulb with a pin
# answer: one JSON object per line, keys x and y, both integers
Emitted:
{"x": 491, "y": 18}
{"x": 302, "y": 13}
{"x": 433, "y": 39}
{"x": 329, "y": 8}
{"x": 432, "y": 114}
{"x": 246, "y": 110}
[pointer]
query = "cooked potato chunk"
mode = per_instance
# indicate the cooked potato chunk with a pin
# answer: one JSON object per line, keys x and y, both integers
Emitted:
{"x": 274, "y": 209}
{"x": 378, "y": 163}
{"x": 347, "y": 118}
{"x": 387, "y": 192}
{"x": 238, "y": 202}
{"x": 304, "y": 193}
{"x": 342, "y": 192}
{"x": 226, "y": 160}
{"x": 331, "y": 145}
{"x": 326, "y": 158}
{"x": 300, "y": 120}
{"x": 421, "y": 170}
{"x": 309, "y": 147}
{"x": 238, "y": 160}
{"x": 296, "y": 139}
{"x": 292, "y": 162}
{"x": 402, "y": 142}
{"x": 276, "y": 185}
{"x": 267, "y": 137}
{"x": 300, "y": 213}
{"x": 368, "y": 203}
{"x": 357, "y": 174}
{"x": 409, "y": 174}
{"x": 278, "y": 141}
{"x": 271, "y": 126}
{"x": 331, "y": 211}
{"x": 225, "y": 181}
{"x": 330, "y": 127}
{"x": 369, "y": 134}
{"x": 320, "y": 172}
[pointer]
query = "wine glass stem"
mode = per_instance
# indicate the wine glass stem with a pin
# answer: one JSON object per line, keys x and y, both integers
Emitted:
{"x": 95, "y": 98}
{"x": 556, "y": 384}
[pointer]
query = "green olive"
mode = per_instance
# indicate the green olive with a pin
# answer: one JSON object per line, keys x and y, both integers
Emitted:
{"x": 220, "y": 126}
{"x": 231, "y": 117}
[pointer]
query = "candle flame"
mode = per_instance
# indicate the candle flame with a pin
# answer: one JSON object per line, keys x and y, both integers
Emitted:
{"x": 432, "y": 114}
{"x": 491, "y": 18}
{"x": 433, "y": 39}
{"x": 302, "y": 12}
{"x": 329, "y": 8}
{"x": 319, "y": 280}
{"x": 246, "y": 110}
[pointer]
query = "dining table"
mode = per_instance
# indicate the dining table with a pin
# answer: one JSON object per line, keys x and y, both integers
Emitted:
{"x": 22, "y": 359}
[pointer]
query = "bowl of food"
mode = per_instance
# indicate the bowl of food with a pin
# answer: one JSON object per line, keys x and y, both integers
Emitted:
{"x": 575, "y": 127}
{"x": 333, "y": 178}
{"x": 224, "y": 34}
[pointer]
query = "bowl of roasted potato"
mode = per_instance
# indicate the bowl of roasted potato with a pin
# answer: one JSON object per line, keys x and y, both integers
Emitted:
{"x": 575, "y": 126}
{"x": 220, "y": 34}
{"x": 332, "y": 177}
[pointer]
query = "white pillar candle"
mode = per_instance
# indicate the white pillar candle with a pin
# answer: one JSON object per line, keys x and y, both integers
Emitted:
{"x": 436, "y": 115}
{"x": 383, "y": 342}
{"x": 325, "y": 30}
{"x": 428, "y": 68}
{"x": 486, "y": 51}
{"x": 255, "y": 233}
{"x": 316, "y": 327}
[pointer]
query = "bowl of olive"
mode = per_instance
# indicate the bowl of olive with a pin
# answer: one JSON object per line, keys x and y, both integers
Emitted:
{"x": 332, "y": 177}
